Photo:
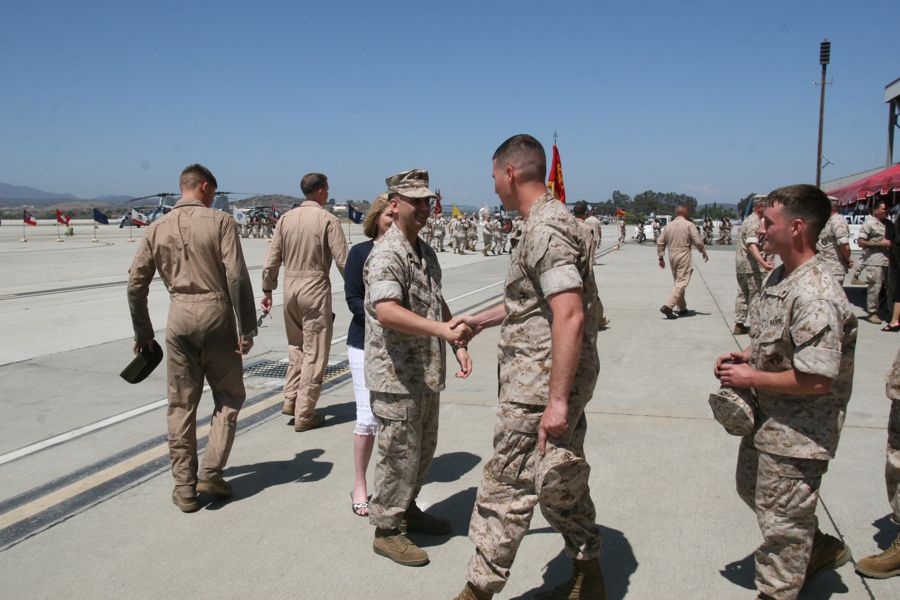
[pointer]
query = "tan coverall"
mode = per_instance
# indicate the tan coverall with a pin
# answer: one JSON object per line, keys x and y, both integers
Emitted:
{"x": 678, "y": 236}
{"x": 306, "y": 239}
{"x": 197, "y": 252}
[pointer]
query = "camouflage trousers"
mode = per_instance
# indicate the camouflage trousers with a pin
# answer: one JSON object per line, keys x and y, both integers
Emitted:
{"x": 875, "y": 278}
{"x": 892, "y": 464}
{"x": 749, "y": 285}
{"x": 515, "y": 479}
{"x": 405, "y": 441}
{"x": 784, "y": 493}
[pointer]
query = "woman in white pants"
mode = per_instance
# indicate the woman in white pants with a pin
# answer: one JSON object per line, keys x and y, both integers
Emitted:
{"x": 377, "y": 221}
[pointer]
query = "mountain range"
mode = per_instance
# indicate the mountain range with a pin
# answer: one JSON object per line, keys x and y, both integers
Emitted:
{"x": 12, "y": 195}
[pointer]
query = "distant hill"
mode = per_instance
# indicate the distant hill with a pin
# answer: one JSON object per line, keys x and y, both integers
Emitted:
{"x": 16, "y": 195}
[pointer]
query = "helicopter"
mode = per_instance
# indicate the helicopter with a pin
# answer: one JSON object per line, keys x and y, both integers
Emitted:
{"x": 166, "y": 202}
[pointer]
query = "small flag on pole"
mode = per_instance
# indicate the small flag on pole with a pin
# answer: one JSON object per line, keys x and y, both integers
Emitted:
{"x": 456, "y": 212}
{"x": 139, "y": 218}
{"x": 99, "y": 217}
{"x": 355, "y": 215}
{"x": 555, "y": 181}
{"x": 239, "y": 215}
{"x": 61, "y": 218}
{"x": 620, "y": 212}
{"x": 28, "y": 218}
{"x": 438, "y": 210}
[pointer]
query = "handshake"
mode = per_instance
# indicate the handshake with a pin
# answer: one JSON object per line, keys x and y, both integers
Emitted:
{"x": 459, "y": 330}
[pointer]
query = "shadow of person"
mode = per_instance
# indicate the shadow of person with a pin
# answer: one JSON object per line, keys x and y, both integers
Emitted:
{"x": 887, "y": 532}
{"x": 741, "y": 572}
{"x": 856, "y": 295}
{"x": 458, "y": 509}
{"x": 692, "y": 313}
{"x": 249, "y": 480}
{"x": 617, "y": 562}
{"x": 451, "y": 466}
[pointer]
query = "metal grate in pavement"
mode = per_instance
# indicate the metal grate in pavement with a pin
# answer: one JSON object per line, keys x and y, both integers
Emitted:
{"x": 276, "y": 369}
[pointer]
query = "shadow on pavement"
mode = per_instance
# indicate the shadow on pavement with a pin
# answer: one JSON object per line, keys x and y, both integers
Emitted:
{"x": 857, "y": 296}
{"x": 335, "y": 414}
{"x": 617, "y": 561}
{"x": 887, "y": 532}
{"x": 458, "y": 509}
{"x": 451, "y": 466}
{"x": 249, "y": 480}
{"x": 743, "y": 573}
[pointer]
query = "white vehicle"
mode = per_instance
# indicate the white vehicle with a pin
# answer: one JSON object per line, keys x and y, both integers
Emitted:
{"x": 648, "y": 225}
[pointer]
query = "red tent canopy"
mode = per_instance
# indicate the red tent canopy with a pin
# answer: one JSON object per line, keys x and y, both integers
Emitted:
{"x": 881, "y": 182}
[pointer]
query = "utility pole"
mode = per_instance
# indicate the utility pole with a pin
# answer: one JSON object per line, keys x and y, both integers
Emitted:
{"x": 824, "y": 59}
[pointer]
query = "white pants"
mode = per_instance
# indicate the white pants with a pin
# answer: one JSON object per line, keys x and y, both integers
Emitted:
{"x": 365, "y": 422}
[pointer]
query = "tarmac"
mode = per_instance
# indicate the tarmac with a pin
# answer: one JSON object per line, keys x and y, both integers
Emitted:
{"x": 85, "y": 509}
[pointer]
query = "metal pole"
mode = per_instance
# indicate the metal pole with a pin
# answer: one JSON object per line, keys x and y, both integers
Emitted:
{"x": 824, "y": 57}
{"x": 892, "y": 123}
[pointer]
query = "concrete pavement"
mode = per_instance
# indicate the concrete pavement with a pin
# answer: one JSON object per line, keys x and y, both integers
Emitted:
{"x": 662, "y": 475}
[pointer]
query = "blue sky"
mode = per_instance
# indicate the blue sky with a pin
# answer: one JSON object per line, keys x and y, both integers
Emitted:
{"x": 711, "y": 98}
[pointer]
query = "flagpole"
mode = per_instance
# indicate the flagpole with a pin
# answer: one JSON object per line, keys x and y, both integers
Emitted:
{"x": 95, "y": 229}
{"x": 24, "y": 238}
{"x": 58, "y": 239}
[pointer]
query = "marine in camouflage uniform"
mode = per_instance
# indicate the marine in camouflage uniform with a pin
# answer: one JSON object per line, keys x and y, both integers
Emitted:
{"x": 800, "y": 324}
{"x": 749, "y": 271}
{"x": 622, "y": 231}
{"x": 440, "y": 229}
{"x": 833, "y": 244}
{"x": 875, "y": 258}
{"x": 887, "y": 564}
{"x": 404, "y": 372}
{"x": 472, "y": 232}
{"x": 427, "y": 233}
{"x": 487, "y": 228}
{"x": 552, "y": 257}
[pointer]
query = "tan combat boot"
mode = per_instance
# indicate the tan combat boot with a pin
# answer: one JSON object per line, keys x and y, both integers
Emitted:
{"x": 316, "y": 420}
{"x": 470, "y": 592}
{"x": 216, "y": 486}
{"x": 185, "y": 505}
{"x": 287, "y": 407}
{"x": 586, "y": 583}
{"x": 828, "y": 553}
{"x": 394, "y": 545}
{"x": 884, "y": 565}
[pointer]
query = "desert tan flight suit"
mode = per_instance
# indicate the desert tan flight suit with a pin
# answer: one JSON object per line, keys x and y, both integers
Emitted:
{"x": 678, "y": 236}
{"x": 197, "y": 252}
{"x": 306, "y": 240}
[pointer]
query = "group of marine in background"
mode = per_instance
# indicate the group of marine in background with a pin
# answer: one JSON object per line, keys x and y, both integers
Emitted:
{"x": 499, "y": 234}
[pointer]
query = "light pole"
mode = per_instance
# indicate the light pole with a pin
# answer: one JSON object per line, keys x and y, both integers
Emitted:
{"x": 824, "y": 58}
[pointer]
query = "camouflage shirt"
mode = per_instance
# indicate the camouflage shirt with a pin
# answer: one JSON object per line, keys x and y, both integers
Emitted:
{"x": 748, "y": 234}
{"x": 892, "y": 381}
{"x": 873, "y": 230}
{"x": 803, "y": 322}
{"x": 835, "y": 234}
{"x": 396, "y": 362}
{"x": 551, "y": 257}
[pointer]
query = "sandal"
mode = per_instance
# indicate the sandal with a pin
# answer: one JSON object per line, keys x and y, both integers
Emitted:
{"x": 890, "y": 327}
{"x": 358, "y": 507}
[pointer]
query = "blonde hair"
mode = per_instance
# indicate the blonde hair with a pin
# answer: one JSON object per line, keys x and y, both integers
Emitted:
{"x": 370, "y": 223}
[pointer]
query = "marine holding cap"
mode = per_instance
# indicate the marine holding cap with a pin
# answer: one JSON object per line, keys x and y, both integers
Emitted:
{"x": 800, "y": 366}
{"x": 197, "y": 252}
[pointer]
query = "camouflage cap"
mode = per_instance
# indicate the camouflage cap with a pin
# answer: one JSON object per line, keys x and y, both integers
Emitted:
{"x": 734, "y": 410}
{"x": 412, "y": 184}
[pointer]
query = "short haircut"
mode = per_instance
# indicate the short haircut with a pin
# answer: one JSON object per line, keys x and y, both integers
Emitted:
{"x": 682, "y": 210}
{"x": 195, "y": 174}
{"x": 370, "y": 223}
{"x": 524, "y": 153}
{"x": 312, "y": 182}
{"x": 804, "y": 201}
{"x": 835, "y": 203}
{"x": 580, "y": 208}
{"x": 877, "y": 204}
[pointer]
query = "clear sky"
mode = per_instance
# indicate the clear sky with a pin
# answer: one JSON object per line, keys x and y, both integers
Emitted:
{"x": 711, "y": 98}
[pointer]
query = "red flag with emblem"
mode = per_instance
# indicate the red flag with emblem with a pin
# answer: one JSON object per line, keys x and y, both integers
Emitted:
{"x": 61, "y": 218}
{"x": 555, "y": 181}
{"x": 437, "y": 203}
